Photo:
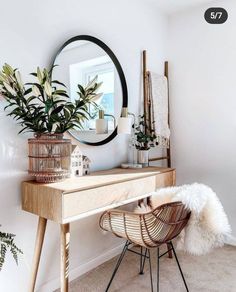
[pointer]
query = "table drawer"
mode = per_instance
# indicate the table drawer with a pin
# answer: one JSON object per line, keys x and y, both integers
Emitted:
{"x": 166, "y": 179}
{"x": 84, "y": 201}
{"x": 80, "y": 202}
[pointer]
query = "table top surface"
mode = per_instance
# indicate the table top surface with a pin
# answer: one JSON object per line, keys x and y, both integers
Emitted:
{"x": 101, "y": 178}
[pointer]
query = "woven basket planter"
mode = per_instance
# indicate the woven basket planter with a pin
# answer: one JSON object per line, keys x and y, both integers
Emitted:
{"x": 49, "y": 157}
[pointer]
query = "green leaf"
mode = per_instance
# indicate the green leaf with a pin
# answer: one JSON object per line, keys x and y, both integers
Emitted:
{"x": 57, "y": 109}
{"x": 56, "y": 118}
{"x": 58, "y": 82}
{"x": 30, "y": 99}
{"x": 66, "y": 114}
{"x": 29, "y": 90}
{"x": 55, "y": 102}
{"x": 81, "y": 89}
{"x": 60, "y": 93}
{"x": 21, "y": 131}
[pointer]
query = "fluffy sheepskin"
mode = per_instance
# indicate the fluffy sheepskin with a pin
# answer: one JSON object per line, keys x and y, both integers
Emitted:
{"x": 208, "y": 226}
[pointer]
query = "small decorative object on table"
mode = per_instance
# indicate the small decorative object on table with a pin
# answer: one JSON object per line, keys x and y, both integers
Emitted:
{"x": 131, "y": 165}
{"x": 42, "y": 108}
{"x": 76, "y": 161}
{"x": 86, "y": 162}
{"x": 79, "y": 162}
{"x": 144, "y": 141}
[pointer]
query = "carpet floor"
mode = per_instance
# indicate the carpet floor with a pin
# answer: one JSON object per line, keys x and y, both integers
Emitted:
{"x": 213, "y": 272}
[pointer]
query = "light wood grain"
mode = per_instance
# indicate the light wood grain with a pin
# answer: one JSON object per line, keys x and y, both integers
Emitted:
{"x": 44, "y": 202}
{"x": 81, "y": 202}
{"x": 76, "y": 198}
{"x": 37, "y": 252}
{"x": 65, "y": 245}
{"x": 100, "y": 178}
{"x": 165, "y": 179}
{"x": 63, "y": 202}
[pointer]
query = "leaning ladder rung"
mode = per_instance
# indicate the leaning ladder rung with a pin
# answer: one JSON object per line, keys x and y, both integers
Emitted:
{"x": 159, "y": 158}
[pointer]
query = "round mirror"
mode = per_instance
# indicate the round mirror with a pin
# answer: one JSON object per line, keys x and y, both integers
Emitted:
{"x": 78, "y": 62}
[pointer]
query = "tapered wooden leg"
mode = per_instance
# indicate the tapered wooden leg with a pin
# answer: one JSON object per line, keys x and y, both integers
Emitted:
{"x": 37, "y": 251}
{"x": 65, "y": 242}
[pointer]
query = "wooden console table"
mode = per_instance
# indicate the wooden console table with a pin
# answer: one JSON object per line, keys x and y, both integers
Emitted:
{"x": 76, "y": 198}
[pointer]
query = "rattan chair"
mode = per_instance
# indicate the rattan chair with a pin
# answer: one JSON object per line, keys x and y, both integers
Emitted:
{"x": 148, "y": 230}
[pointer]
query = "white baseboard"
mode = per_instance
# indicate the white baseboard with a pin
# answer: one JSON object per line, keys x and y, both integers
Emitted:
{"x": 82, "y": 269}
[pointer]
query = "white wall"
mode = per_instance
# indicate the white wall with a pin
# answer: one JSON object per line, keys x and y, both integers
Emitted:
{"x": 31, "y": 32}
{"x": 203, "y": 101}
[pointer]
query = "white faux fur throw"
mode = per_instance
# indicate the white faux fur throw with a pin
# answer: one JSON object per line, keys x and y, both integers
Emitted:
{"x": 208, "y": 226}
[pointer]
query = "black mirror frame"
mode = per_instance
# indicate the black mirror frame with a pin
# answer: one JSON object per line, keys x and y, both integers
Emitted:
{"x": 120, "y": 73}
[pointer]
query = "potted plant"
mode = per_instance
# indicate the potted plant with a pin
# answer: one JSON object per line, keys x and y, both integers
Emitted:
{"x": 144, "y": 140}
{"x": 7, "y": 243}
{"x": 43, "y": 107}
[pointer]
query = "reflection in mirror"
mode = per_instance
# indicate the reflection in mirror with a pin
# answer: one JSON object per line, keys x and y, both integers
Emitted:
{"x": 79, "y": 63}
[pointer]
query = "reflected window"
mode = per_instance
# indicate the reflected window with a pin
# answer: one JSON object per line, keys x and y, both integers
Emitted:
{"x": 85, "y": 71}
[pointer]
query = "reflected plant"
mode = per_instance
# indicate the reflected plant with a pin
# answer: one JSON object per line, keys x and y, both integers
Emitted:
{"x": 43, "y": 106}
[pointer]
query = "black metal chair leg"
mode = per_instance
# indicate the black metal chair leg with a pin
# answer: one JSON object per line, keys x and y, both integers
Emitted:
{"x": 150, "y": 267}
{"x": 118, "y": 264}
{"x": 143, "y": 263}
{"x": 158, "y": 268}
{"x": 176, "y": 258}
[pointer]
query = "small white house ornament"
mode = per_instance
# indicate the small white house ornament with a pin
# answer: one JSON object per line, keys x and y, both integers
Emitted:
{"x": 76, "y": 161}
{"x": 86, "y": 161}
{"x": 79, "y": 162}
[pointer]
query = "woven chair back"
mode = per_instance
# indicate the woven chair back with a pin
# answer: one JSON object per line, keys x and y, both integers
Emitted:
{"x": 164, "y": 223}
{"x": 151, "y": 229}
